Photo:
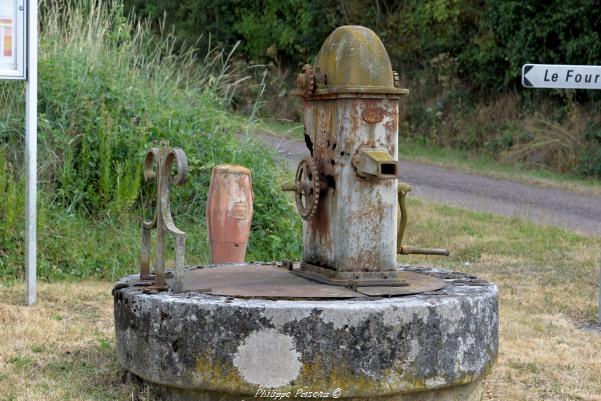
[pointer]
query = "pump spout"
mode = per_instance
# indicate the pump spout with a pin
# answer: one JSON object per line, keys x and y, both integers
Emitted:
{"x": 409, "y": 250}
{"x": 376, "y": 163}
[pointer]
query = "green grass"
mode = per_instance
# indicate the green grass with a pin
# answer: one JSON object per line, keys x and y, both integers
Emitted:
{"x": 485, "y": 164}
{"x": 110, "y": 89}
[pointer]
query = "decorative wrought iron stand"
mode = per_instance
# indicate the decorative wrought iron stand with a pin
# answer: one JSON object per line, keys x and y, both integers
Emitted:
{"x": 163, "y": 159}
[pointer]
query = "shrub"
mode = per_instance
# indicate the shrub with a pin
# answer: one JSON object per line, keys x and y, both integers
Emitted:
{"x": 109, "y": 88}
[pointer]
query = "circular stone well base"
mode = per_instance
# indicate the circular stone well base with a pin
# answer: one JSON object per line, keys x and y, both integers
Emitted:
{"x": 465, "y": 392}
{"x": 428, "y": 346}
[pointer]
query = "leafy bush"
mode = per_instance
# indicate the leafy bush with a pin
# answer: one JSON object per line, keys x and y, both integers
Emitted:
{"x": 491, "y": 39}
{"x": 109, "y": 88}
{"x": 519, "y": 32}
{"x": 288, "y": 31}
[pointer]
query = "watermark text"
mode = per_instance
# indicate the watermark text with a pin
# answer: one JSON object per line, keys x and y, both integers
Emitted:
{"x": 301, "y": 392}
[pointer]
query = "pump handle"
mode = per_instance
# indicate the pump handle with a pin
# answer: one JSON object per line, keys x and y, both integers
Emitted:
{"x": 408, "y": 250}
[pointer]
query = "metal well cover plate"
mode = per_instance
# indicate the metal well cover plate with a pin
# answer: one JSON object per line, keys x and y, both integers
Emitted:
{"x": 259, "y": 281}
{"x": 418, "y": 283}
{"x": 273, "y": 282}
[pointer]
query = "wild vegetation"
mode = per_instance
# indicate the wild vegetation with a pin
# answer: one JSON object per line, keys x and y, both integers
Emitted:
{"x": 461, "y": 59}
{"x": 110, "y": 89}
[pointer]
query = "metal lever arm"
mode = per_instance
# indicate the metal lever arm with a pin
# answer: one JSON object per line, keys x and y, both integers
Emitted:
{"x": 306, "y": 187}
{"x": 289, "y": 187}
{"x": 408, "y": 250}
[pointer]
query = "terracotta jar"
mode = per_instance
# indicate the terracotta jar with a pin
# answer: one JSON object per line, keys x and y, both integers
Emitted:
{"x": 229, "y": 213}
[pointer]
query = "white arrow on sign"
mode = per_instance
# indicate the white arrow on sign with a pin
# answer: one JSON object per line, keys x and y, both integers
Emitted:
{"x": 561, "y": 76}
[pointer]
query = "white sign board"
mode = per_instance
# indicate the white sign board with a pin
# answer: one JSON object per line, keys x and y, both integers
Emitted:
{"x": 561, "y": 76}
{"x": 13, "y": 40}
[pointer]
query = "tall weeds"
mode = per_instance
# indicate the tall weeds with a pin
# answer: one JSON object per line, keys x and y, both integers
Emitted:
{"x": 549, "y": 143}
{"x": 115, "y": 88}
{"x": 108, "y": 89}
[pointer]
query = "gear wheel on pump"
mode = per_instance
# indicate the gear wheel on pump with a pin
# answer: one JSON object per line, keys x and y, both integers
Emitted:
{"x": 306, "y": 80}
{"x": 307, "y": 188}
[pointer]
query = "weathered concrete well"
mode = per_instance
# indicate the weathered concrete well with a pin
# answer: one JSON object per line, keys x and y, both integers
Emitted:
{"x": 346, "y": 322}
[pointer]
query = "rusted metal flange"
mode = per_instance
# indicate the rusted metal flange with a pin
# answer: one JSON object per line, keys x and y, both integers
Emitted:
{"x": 278, "y": 281}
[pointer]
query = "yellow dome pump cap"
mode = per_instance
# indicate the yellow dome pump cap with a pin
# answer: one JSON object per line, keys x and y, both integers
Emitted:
{"x": 353, "y": 59}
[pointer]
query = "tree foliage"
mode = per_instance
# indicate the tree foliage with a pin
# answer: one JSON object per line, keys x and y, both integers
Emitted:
{"x": 490, "y": 39}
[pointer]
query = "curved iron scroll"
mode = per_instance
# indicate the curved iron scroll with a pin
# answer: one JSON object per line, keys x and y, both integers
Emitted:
{"x": 159, "y": 165}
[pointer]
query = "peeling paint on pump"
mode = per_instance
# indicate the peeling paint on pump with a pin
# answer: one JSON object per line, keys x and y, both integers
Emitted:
{"x": 351, "y": 105}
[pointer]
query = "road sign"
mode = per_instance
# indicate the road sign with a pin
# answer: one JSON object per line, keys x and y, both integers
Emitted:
{"x": 13, "y": 39}
{"x": 561, "y": 76}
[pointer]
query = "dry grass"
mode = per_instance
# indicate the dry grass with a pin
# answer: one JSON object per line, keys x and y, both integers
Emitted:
{"x": 550, "y": 144}
{"x": 63, "y": 348}
{"x": 548, "y": 282}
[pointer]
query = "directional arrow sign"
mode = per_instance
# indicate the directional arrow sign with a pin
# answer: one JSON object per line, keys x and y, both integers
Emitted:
{"x": 561, "y": 76}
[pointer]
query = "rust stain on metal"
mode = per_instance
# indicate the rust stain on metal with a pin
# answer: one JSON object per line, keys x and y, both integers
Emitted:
{"x": 306, "y": 188}
{"x": 240, "y": 210}
{"x": 373, "y": 115}
{"x": 416, "y": 283}
{"x": 393, "y": 120}
{"x": 260, "y": 281}
{"x": 268, "y": 281}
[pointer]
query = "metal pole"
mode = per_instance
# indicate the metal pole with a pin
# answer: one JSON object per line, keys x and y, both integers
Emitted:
{"x": 31, "y": 128}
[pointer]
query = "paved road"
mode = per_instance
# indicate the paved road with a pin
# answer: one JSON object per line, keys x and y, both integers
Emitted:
{"x": 541, "y": 205}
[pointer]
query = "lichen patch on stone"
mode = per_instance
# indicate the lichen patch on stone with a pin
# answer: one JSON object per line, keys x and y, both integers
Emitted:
{"x": 268, "y": 358}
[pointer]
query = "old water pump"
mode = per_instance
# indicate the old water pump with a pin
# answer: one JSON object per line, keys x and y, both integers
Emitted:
{"x": 345, "y": 322}
{"x": 347, "y": 189}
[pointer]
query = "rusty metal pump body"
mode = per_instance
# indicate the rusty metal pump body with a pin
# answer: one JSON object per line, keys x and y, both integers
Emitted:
{"x": 351, "y": 105}
{"x": 352, "y": 232}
